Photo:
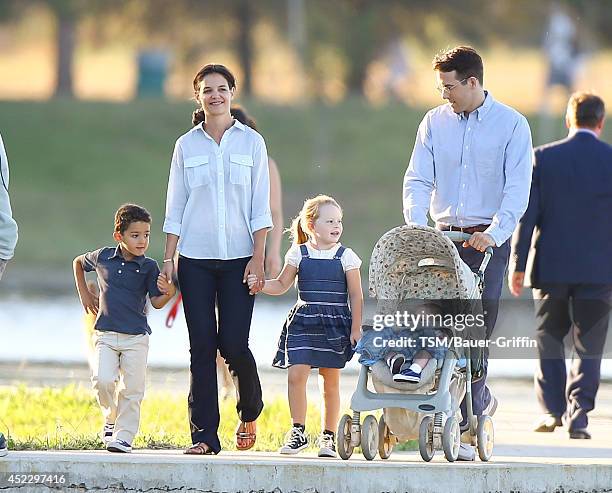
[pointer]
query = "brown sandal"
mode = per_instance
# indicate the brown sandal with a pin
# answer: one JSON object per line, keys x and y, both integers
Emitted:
{"x": 199, "y": 448}
{"x": 242, "y": 434}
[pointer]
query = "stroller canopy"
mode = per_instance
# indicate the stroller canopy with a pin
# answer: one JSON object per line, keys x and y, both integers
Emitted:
{"x": 410, "y": 262}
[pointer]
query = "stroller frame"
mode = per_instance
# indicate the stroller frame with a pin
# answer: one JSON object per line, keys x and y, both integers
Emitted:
{"x": 439, "y": 429}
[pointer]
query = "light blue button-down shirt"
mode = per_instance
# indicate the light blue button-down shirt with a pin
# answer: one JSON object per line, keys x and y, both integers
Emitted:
{"x": 218, "y": 194}
{"x": 470, "y": 170}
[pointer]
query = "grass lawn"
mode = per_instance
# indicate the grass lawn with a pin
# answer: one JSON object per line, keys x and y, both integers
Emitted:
{"x": 74, "y": 163}
{"x": 69, "y": 418}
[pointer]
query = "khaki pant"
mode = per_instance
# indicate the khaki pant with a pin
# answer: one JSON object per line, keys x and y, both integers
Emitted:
{"x": 120, "y": 355}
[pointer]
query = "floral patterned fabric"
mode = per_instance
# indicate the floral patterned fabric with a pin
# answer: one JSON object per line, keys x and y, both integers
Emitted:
{"x": 419, "y": 262}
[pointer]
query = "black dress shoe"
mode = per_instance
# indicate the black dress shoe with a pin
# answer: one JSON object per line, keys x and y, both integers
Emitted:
{"x": 580, "y": 434}
{"x": 547, "y": 423}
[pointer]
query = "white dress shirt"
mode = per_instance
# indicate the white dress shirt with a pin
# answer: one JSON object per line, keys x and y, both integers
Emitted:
{"x": 218, "y": 194}
{"x": 470, "y": 170}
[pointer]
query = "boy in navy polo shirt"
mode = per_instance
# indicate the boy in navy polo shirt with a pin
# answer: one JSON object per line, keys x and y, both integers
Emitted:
{"x": 121, "y": 338}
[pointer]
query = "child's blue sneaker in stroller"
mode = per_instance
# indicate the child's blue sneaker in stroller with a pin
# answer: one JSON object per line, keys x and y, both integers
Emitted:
{"x": 409, "y": 374}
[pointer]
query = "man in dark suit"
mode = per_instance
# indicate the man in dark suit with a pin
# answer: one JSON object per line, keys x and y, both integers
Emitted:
{"x": 571, "y": 272}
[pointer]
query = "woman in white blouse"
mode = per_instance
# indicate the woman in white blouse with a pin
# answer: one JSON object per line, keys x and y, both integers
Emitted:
{"x": 217, "y": 216}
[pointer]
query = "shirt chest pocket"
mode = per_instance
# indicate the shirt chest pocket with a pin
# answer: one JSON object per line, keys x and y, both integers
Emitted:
{"x": 197, "y": 171}
{"x": 241, "y": 166}
{"x": 489, "y": 159}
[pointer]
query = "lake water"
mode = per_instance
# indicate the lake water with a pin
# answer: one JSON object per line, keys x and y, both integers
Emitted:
{"x": 41, "y": 329}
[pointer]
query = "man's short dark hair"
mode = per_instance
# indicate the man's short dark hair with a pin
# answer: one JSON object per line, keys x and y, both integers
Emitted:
{"x": 128, "y": 214}
{"x": 585, "y": 109}
{"x": 463, "y": 59}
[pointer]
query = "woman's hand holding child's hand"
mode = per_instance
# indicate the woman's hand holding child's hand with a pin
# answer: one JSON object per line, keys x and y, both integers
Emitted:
{"x": 251, "y": 281}
{"x": 165, "y": 286}
{"x": 255, "y": 268}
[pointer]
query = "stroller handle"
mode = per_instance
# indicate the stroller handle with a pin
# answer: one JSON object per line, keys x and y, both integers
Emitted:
{"x": 458, "y": 236}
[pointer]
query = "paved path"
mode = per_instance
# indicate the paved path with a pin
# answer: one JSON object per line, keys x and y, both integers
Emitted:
{"x": 523, "y": 461}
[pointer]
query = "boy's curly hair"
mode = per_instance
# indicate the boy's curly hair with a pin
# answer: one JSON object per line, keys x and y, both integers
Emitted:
{"x": 128, "y": 214}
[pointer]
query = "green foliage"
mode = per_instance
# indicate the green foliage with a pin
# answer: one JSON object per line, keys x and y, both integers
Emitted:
{"x": 74, "y": 163}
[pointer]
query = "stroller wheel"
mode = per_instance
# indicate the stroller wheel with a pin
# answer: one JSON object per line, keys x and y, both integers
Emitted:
{"x": 369, "y": 437}
{"x": 386, "y": 441}
{"x": 485, "y": 436}
{"x": 345, "y": 449}
{"x": 451, "y": 439}
{"x": 426, "y": 445}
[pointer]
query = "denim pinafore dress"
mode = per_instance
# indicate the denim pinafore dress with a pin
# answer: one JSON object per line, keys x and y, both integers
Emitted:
{"x": 317, "y": 329}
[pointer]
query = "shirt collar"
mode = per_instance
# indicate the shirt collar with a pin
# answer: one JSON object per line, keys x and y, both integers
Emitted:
{"x": 237, "y": 124}
{"x": 575, "y": 130}
{"x": 119, "y": 254}
{"x": 483, "y": 109}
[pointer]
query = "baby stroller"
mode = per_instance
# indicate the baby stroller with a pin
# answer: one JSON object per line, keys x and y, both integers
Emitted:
{"x": 419, "y": 263}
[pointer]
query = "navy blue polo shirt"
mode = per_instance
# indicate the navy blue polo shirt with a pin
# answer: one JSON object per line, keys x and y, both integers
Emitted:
{"x": 124, "y": 286}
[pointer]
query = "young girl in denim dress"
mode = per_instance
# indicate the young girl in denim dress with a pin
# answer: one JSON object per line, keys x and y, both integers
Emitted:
{"x": 321, "y": 329}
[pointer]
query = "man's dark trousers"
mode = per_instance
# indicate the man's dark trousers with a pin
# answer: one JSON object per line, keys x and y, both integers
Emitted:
{"x": 584, "y": 311}
{"x": 494, "y": 280}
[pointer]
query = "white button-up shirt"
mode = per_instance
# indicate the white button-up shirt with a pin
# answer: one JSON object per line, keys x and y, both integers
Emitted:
{"x": 218, "y": 194}
{"x": 470, "y": 170}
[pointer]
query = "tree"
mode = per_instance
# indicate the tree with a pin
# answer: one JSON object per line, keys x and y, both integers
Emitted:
{"x": 68, "y": 13}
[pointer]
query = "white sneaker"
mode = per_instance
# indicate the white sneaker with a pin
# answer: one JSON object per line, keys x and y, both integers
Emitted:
{"x": 119, "y": 446}
{"x": 107, "y": 433}
{"x": 295, "y": 441}
{"x": 327, "y": 447}
{"x": 466, "y": 452}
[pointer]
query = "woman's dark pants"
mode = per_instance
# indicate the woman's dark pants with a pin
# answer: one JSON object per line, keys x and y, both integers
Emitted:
{"x": 205, "y": 283}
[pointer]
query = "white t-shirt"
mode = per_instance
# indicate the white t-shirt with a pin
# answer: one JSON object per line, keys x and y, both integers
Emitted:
{"x": 349, "y": 258}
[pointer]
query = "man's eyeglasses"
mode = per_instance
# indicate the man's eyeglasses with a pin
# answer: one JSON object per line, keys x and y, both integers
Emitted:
{"x": 448, "y": 89}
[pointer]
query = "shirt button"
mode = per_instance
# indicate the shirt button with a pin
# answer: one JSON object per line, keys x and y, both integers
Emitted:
{"x": 465, "y": 166}
{"x": 463, "y": 185}
{"x": 119, "y": 271}
{"x": 467, "y": 147}
{"x": 469, "y": 129}
{"x": 137, "y": 270}
{"x": 122, "y": 263}
{"x": 461, "y": 204}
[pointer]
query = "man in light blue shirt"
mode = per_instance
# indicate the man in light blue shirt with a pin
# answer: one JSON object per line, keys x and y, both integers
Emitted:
{"x": 471, "y": 170}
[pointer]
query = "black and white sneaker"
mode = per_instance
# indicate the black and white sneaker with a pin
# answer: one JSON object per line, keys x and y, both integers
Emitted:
{"x": 107, "y": 433}
{"x": 327, "y": 447}
{"x": 295, "y": 441}
{"x": 119, "y": 446}
{"x": 3, "y": 446}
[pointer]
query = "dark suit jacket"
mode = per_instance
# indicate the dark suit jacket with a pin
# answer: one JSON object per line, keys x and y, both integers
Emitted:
{"x": 570, "y": 207}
